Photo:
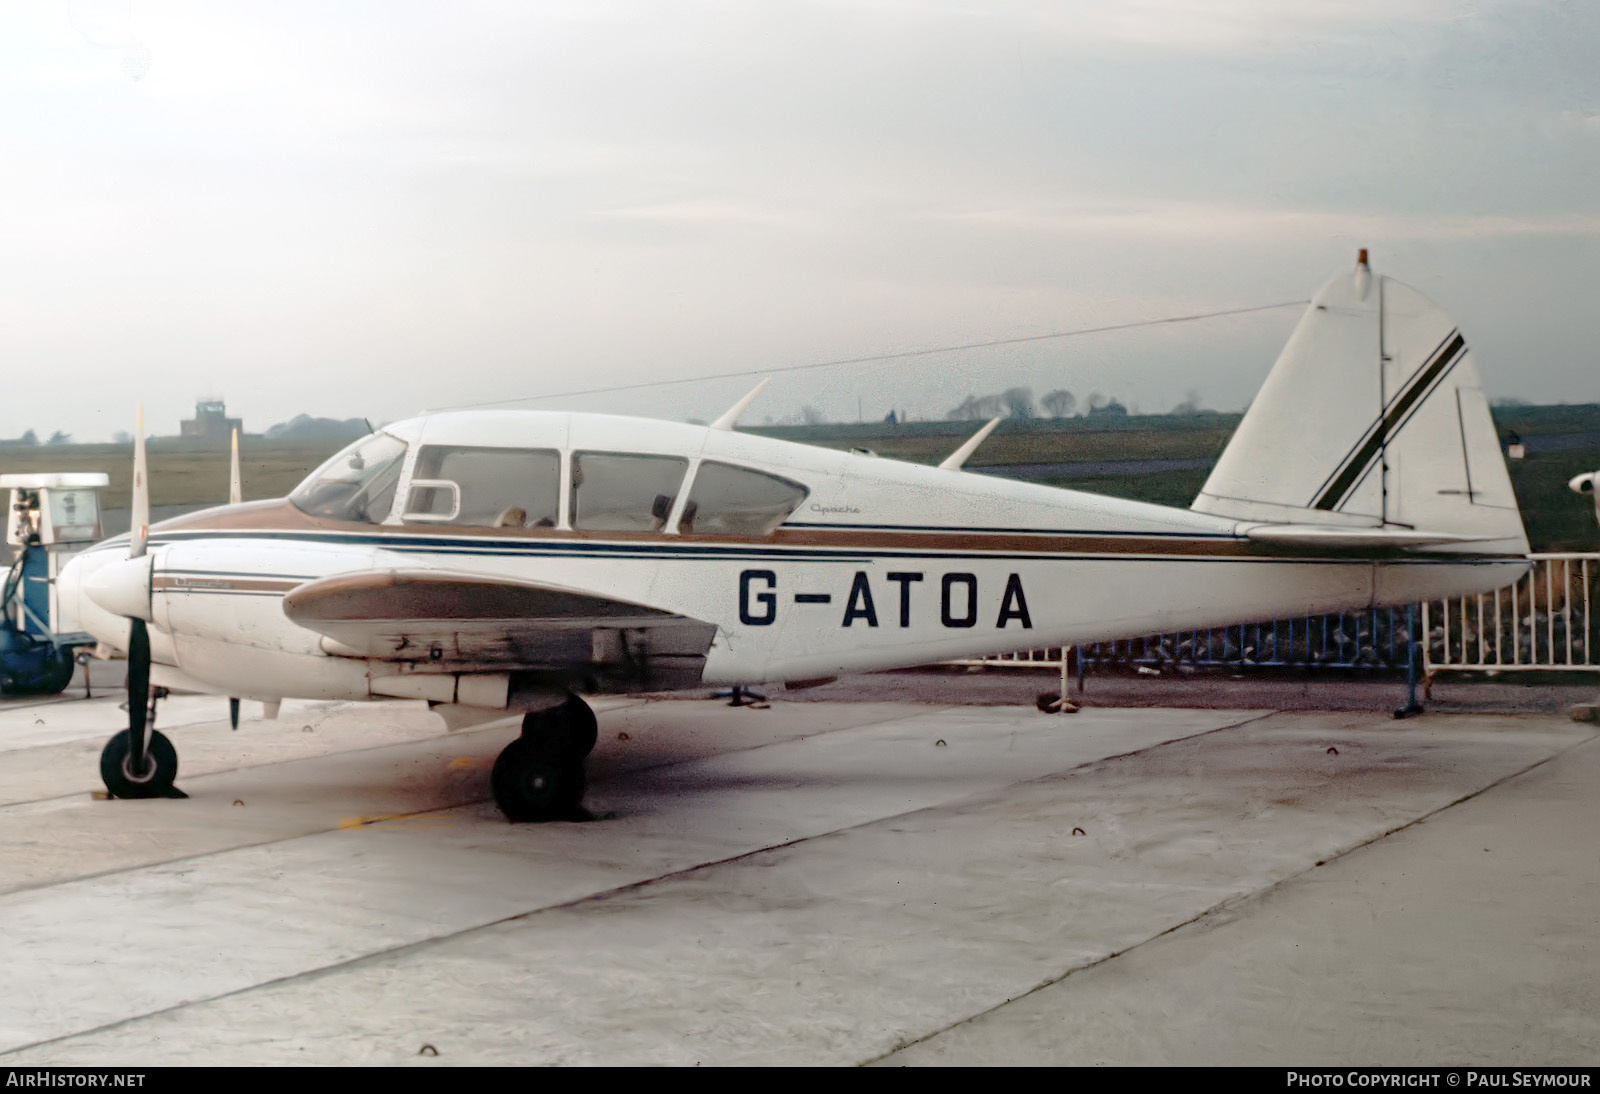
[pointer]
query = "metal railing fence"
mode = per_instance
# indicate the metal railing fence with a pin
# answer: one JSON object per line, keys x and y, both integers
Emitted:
{"x": 1543, "y": 622}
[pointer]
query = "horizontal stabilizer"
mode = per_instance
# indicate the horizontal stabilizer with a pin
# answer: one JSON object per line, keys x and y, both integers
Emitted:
{"x": 1313, "y": 536}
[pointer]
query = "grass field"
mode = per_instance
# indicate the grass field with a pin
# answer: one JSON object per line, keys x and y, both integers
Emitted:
{"x": 1556, "y": 519}
{"x": 181, "y": 473}
{"x": 1039, "y": 440}
{"x": 188, "y": 473}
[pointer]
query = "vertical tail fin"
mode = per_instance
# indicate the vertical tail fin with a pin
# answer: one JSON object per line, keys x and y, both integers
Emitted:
{"x": 1373, "y": 417}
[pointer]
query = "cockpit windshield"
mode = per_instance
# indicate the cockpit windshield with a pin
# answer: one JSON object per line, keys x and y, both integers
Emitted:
{"x": 358, "y": 484}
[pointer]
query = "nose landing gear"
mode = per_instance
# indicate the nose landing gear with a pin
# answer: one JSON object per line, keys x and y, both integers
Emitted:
{"x": 140, "y": 762}
{"x": 540, "y": 776}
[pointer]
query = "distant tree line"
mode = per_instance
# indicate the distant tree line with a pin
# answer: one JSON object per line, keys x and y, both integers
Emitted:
{"x": 1017, "y": 402}
{"x": 1191, "y": 404}
{"x": 1013, "y": 402}
{"x": 32, "y": 438}
{"x": 301, "y": 427}
{"x": 305, "y": 427}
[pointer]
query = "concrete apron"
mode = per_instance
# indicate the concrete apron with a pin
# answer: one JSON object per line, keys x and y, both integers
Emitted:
{"x": 1466, "y": 939}
{"x": 843, "y": 885}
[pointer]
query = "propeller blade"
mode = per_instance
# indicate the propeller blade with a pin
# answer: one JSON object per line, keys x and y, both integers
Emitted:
{"x": 138, "y": 693}
{"x": 233, "y": 712}
{"x": 235, "y": 487}
{"x": 139, "y": 528}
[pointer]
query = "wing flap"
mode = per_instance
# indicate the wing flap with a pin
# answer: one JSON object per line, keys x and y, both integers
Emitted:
{"x": 453, "y": 621}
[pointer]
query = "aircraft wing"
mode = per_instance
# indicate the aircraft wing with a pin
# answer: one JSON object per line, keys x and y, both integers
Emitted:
{"x": 458, "y": 620}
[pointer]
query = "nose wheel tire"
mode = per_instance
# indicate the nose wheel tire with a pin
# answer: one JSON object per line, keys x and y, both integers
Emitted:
{"x": 160, "y": 767}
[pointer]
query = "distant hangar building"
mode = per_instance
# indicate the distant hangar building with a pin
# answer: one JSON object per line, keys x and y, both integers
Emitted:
{"x": 210, "y": 422}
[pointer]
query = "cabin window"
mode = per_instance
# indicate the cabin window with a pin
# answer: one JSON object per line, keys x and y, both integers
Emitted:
{"x": 612, "y": 492}
{"x": 735, "y": 501}
{"x": 358, "y": 484}
{"x": 496, "y": 487}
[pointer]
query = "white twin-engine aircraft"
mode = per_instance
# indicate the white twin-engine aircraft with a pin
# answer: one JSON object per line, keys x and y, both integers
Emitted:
{"x": 495, "y": 562}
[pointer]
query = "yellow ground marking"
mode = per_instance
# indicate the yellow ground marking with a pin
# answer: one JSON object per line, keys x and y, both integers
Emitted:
{"x": 464, "y": 762}
{"x": 409, "y": 820}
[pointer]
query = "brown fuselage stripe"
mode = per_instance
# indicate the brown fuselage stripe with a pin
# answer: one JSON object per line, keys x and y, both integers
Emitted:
{"x": 165, "y": 583}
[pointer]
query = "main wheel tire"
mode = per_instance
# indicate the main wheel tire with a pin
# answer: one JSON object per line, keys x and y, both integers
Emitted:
{"x": 161, "y": 767}
{"x": 570, "y": 728}
{"x": 535, "y": 783}
{"x": 582, "y": 724}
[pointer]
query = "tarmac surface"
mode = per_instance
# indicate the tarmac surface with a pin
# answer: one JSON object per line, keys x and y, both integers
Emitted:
{"x": 836, "y": 881}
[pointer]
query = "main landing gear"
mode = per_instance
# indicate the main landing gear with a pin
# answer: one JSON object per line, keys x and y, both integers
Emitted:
{"x": 539, "y": 776}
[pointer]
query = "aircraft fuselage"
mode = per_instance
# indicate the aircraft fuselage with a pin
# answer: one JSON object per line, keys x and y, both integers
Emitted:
{"x": 882, "y": 564}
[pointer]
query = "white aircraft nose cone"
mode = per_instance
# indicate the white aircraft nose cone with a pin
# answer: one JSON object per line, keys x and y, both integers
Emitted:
{"x": 122, "y": 588}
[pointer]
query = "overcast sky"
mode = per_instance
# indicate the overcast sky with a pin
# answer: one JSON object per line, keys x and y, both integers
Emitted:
{"x": 368, "y": 209}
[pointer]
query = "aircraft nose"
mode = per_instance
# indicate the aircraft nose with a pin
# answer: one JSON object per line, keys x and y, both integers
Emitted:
{"x": 122, "y": 587}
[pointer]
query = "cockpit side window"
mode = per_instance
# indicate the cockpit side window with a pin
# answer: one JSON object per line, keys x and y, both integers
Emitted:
{"x": 497, "y": 487}
{"x": 737, "y": 501}
{"x": 616, "y": 492}
{"x": 358, "y": 484}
